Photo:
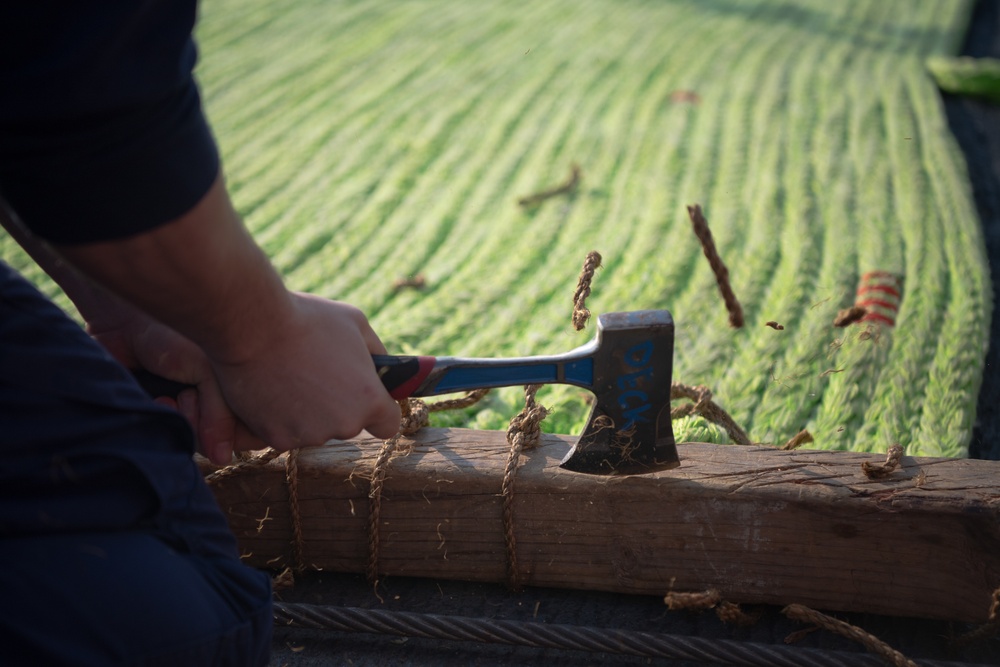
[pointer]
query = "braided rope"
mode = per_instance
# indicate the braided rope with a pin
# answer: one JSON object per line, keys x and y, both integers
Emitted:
{"x": 802, "y": 613}
{"x": 523, "y": 433}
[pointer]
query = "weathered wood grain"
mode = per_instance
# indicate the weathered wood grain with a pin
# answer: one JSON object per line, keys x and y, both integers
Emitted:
{"x": 761, "y": 525}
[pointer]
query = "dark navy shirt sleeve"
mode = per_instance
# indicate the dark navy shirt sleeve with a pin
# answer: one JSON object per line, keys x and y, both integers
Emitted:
{"x": 102, "y": 133}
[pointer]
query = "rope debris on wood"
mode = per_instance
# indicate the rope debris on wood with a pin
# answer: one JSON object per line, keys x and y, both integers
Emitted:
{"x": 801, "y": 438}
{"x": 727, "y": 612}
{"x": 988, "y": 629}
{"x": 881, "y": 471}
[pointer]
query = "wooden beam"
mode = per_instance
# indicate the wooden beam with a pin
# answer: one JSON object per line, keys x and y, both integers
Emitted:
{"x": 760, "y": 525}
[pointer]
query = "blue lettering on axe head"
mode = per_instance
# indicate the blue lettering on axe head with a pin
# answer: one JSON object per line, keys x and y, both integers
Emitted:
{"x": 633, "y": 401}
{"x": 639, "y": 354}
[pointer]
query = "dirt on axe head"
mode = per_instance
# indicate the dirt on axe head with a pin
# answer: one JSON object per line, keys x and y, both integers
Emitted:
{"x": 629, "y": 430}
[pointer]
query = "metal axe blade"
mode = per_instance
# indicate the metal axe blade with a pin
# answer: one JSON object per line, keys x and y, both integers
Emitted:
{"x": 629, "y": 430}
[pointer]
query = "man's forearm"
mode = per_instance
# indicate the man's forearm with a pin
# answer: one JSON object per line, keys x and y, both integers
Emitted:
{"x": 201, "y": 274}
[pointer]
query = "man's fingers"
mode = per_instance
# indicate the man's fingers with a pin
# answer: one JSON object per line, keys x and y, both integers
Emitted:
{"x": 217, "y": 425}
{"x": 245, "y": 440}
{"x": 167, "y": 402}
{"x": 385, "y": 421}
{"x": 187, "y": 405}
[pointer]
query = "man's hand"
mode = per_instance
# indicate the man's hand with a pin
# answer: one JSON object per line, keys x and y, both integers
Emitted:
{"x": 312, "y": 379}
{"x": 137, "y": 341}
{"x": 296, "y": 369}
{"x": 302, "y": 389}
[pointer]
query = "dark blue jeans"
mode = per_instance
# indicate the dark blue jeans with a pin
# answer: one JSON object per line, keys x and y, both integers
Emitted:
{"x": 112, "y": 549}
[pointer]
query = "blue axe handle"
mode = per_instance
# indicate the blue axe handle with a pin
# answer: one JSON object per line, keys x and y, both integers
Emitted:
{"x": 405, "y": 376}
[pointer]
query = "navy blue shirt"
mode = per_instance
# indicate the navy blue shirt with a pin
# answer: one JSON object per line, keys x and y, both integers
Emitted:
{"x": 102, "y": 134}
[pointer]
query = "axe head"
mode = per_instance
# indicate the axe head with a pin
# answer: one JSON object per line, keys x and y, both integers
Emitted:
{"x": 629, "y": 431}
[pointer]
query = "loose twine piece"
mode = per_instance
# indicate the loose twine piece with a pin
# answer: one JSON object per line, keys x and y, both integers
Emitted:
{"x": 566, "y": 187}
{"x": 988, "y": 629}
{"x": 849, "y": 316}
{"x": 704, "y": 235}
{"x": 581, "y": 314}
{"x": 798, "y": 612}
{"x": 801, "y": 438}
{"x": 727, "y": 612}
{"x": 702, "y": 404}
{"x": 880, "y": 471}
{"x": 731, "y": 613}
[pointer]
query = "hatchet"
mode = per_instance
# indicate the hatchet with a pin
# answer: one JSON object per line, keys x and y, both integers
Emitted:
{"x": 627, "y": 365}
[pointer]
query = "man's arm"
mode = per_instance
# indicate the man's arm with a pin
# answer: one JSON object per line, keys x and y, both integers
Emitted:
{"x": 295, "y": 368}
{"x": 107, "y": 155}
{"x": 138, "y": 341}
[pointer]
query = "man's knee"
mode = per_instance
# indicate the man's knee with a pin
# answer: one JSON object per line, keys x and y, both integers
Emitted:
{"x": 128, "y": 598}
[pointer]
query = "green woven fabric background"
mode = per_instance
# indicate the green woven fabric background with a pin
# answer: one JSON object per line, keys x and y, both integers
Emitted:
{"x": 370, "y": 141}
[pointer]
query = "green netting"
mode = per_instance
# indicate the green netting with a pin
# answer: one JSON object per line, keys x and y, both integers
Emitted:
{"x": 370, "y": 141}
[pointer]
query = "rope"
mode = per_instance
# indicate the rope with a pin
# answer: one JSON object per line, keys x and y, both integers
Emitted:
{"x": 524, "y": 433}
{"x": 581, "y": 314}
{"x": 292, "y": 480}
{"x": 704, "y": 235}
{"x": 801, "y": 438}
{"x": 849, "y": 316}
{"x": 568, "y": 186}
{"x": 892, "y": 459}
{"x": 727, "y": 612}
{"x": 988, "y": 629}
{"x": 695, "y": 601}
{"x": 266, "y": 456}
{"x": 470, "y": 399}
{"x": 413, "y": 417}
{"x": 802, "y": 613}
{"x": 569, "y": 637}
{"x": 704, "y": 406}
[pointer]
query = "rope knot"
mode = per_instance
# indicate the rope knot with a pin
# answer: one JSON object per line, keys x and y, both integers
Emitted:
{"x": 525, "y": 429}
{"x": 414, "y": 415}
